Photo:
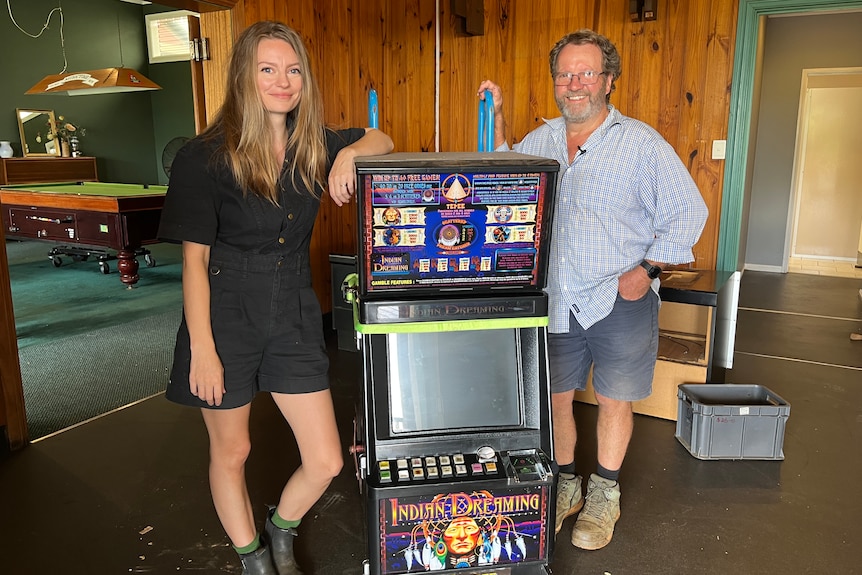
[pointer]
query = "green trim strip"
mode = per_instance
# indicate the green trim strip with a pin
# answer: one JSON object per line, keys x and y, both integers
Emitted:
{"x": 739, "y": 131}
{"x": 446, "y": 326}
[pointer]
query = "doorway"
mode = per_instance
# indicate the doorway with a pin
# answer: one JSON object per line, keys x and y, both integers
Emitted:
{"x": 745, "y": 106}
{"x": 826, "y": 214}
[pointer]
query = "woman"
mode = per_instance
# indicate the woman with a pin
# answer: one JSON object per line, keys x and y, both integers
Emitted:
{"x": 242, "y": 199}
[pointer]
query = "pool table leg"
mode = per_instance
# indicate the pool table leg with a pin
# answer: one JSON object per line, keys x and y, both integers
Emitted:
{"x": 127, "y": 265}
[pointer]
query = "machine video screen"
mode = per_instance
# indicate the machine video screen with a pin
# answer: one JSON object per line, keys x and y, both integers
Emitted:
{"x": 438, "y": 222}
{"x": 436, "y": 383}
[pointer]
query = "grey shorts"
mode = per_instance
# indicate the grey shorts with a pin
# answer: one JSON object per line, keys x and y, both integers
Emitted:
{"x": 268, "y": 331}
{"x": 621, "y": 349}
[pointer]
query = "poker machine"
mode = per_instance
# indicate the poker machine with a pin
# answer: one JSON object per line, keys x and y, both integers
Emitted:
{"x": 453, "y": 443}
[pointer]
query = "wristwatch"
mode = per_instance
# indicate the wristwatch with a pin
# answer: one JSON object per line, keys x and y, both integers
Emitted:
{"x": 651, "y": 270}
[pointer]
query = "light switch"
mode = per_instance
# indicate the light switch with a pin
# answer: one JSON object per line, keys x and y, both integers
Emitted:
{"x": 718, "y": 149}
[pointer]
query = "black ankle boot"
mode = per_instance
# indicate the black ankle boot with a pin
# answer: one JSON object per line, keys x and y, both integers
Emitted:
{"x": 258, "y": 562}
{"x": 281, "y": 542}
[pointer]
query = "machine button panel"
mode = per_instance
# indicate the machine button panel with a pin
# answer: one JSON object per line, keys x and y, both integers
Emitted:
{"x": 437, "y": 467}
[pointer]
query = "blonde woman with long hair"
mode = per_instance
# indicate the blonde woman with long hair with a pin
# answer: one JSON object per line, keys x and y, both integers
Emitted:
{"x": 242, "y": 200}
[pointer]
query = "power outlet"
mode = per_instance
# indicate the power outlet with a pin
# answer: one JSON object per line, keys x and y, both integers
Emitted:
{"x": 719, "y": 147}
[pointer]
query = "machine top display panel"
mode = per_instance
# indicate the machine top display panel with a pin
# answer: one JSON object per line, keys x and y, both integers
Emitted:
{"x": 434, "y": 223}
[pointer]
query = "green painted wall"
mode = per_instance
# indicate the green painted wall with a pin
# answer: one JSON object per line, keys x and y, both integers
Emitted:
{"x": 124, "y": 131}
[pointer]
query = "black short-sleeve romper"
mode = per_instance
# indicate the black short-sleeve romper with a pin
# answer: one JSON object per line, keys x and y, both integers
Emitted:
{"x": 266, "y": 319}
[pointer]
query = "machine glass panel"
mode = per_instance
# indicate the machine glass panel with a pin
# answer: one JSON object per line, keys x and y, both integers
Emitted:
{"x": 437, "y": 384}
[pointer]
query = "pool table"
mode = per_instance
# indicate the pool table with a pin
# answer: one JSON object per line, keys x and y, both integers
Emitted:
{"x": 87, "y": 218}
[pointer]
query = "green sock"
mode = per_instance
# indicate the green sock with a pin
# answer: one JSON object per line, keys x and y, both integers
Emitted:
{"x": 251, "y": 547}
{"x": 284, "y": 523}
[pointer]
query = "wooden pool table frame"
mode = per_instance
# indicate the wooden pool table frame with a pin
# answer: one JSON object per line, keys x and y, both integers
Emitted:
{"x": 120, "y": 217}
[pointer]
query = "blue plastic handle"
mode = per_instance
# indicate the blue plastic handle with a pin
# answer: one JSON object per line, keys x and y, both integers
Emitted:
{"x": 481, "y": 135}
{"x": 372, "y": 109}
{"x": 486, "y": 123}
{"x": 489, "y": 106}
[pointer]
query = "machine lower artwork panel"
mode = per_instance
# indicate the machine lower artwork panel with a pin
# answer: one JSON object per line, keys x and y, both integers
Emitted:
{"x": 468, "y": 527}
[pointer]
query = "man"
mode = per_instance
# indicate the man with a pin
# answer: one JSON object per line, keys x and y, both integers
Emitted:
{"x": 626, "y": 207}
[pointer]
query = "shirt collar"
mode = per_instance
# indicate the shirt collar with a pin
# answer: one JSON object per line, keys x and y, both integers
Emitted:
{"x": 558, "y": 126}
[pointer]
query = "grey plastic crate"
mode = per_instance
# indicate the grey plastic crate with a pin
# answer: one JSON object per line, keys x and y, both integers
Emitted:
{"x": 731, "y": 421}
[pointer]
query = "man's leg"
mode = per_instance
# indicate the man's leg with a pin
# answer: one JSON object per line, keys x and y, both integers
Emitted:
{"x": 623, "y": 347}
{"x": 569, "y": 360}
{"x": 565, "y": 431}
{"x": 570, "y": 497}
{"x": 613, "y": 431}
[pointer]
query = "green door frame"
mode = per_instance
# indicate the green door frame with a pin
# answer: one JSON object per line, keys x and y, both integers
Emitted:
{"x": 741, "y": 103}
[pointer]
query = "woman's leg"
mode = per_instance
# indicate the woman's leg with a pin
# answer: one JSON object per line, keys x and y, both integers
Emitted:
{"x": 230, "y": 445}
{"x": 312, "y": 418}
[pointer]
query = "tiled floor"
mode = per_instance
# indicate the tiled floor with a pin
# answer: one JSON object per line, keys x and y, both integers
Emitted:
{"x": 824, "y": 267}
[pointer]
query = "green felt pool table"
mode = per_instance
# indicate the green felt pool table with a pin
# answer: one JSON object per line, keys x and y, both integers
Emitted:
{"x": 87, "y": 219}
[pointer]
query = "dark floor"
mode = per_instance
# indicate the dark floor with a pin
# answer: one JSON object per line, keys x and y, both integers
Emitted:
{"x": 127, "y": 493}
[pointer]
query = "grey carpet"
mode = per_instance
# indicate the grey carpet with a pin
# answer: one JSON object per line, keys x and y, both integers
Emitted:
{"x": 70, "y": 380}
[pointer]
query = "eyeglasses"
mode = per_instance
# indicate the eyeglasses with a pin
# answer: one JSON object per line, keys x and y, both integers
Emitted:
{"x": 587, "y": 78}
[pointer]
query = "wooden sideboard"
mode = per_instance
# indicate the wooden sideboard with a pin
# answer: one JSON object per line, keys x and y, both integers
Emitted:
{"x": 47, "y": 170}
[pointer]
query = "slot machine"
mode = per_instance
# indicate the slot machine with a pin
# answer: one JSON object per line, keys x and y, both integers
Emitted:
{"x": 453, "y": 443}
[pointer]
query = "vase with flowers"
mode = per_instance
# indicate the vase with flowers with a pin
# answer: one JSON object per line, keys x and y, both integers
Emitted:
{"x": 68, "y": 134}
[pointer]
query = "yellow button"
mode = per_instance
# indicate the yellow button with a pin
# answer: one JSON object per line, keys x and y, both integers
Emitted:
{"x": 290, "y": 216}
{"x": 281, "y": 240}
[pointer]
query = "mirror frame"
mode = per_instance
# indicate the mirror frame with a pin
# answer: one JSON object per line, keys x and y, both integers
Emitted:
{"x": 50, "y": 133}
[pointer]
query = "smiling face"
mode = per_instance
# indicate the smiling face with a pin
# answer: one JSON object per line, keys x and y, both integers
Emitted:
{"x": 279, "y": 76}
{"x": 581, "y": 104}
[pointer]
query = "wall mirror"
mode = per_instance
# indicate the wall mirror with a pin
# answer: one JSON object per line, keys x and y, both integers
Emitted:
{"x": 38, "y": 132}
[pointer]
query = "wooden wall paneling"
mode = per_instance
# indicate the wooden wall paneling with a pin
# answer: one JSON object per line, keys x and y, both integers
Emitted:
{"x": 409, "y": 74}
{"x": 686, "y": 51}
{"x": 690, "y": 138}
{"x": 674, "y": 56}
{"x": 466, "y": 61}
{"x": 332, "y": 40}
{"x": 391, "y": 44}
{"x": 469, "y": 57}
{"x": 526, "y": 86}
{"x": 651, "y": 43}
{"x": 219, "y": 29}
{"x": 714, "y": 121}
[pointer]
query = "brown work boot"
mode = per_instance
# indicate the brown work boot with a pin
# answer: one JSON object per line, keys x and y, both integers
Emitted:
{"x": 570, "y": 499}
{"x": 595, "y": 525}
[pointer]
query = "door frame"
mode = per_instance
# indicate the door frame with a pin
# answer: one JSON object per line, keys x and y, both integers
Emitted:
{"x": 741, "y": 134}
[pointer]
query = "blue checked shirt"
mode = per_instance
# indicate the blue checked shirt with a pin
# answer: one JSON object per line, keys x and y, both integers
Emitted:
{"x": 626, "y": 198}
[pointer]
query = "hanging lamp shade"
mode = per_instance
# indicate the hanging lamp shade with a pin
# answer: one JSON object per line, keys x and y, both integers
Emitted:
{"x": 104, "y": 81}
